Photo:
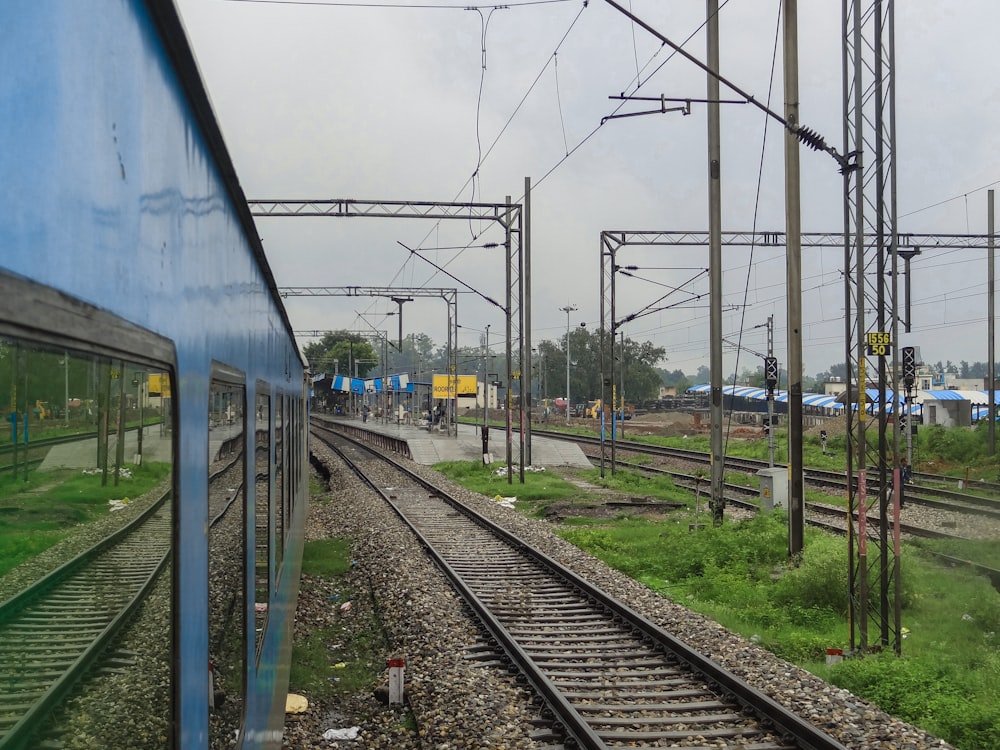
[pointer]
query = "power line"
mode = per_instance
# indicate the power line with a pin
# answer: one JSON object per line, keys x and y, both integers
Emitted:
{"x": 949, "y": 200}
{"x": 402, "y": 6}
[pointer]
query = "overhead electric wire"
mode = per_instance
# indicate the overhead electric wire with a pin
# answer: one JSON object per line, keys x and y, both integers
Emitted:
{"x": 949, "y": 200}
{"x": 562, "y": 121}
{"x": 509, "y": 120}
{"x": 454, "y": 277}
{"x": 605, "y": 119}
{"x": 402, "y": 6}
{"x": 760, "y": 180}
{"x": 643, "y": 311}
{"x": 809, "y": 137}
{"x": 484, "y": 23}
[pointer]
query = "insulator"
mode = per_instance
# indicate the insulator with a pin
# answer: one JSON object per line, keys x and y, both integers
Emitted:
{"x": 811, "y": 138}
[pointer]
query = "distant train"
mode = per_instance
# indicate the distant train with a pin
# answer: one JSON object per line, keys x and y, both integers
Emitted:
{"x": 136, "y": 302}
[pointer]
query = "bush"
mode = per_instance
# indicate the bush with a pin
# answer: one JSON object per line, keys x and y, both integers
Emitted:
{"x": 899, "y": 687}
{"x": 955, "y": 444}
{"x": 819, "y": 581}
{"x": 799, "y": 646}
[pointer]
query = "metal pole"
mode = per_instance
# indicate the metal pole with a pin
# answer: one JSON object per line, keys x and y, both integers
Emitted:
{"x": 510, "y": 302}
{"x": 526, "y": 397}
{"x": 621, "y": 395}
{"x": 486, "y": 394}
{"x": 770, "y": 395}
{"x": 568, "y": 309}
{"x": 718, "y": 502}
{"x": 120, "y": 445}
{"x": 793, "y": 280}
{"x": 992, "y": 355}
{"x": 452, "y": 385}
{"x": 142, "y": 383}
{"x": 66, "y": 387}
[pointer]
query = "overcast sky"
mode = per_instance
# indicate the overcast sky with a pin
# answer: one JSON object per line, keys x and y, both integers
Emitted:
{"x": 354, "y": 100}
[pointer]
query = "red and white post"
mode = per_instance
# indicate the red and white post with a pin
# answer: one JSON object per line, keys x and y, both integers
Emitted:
{"x": 397, "y": 668}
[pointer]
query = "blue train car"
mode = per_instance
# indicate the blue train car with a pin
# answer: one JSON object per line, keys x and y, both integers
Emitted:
{"x": 147, "y": 366}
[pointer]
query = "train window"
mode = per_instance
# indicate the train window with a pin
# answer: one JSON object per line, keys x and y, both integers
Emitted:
{"x": 86, "y": 489}
{"x": 262, "y": 513}
{"x": 226, "y": 554}
{"x": 280, "y": 444}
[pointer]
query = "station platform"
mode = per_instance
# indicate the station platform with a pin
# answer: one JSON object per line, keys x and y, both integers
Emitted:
{"x": 431, "y": 447}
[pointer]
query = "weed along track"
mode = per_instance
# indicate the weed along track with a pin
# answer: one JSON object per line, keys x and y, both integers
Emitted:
{"x": 605, "y": 676}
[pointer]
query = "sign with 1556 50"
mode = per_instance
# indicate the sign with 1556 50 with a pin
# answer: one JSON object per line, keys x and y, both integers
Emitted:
{"x": 879, "y": 343}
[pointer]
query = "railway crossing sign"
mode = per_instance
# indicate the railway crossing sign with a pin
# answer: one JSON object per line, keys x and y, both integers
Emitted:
{"x": 879, "y": 343}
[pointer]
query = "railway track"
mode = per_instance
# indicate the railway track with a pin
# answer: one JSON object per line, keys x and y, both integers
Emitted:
{"x": 54, "y": 632}
{"x": 918, "y": 493}
{"x": 608, "y": 677}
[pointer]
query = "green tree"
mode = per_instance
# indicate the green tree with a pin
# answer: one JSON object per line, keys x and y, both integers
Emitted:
{"x": 642, "y": 380}
{"x": 341, "y": 351}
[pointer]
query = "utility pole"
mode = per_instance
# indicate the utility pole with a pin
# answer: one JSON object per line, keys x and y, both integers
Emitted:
{"x": 907, "y": 256}
{"x": 991, "y": 372}
{"x": 793, "y": 280}
{"x": 568, "y": 309}
{"x": 401, "y": 301}
{"x": 621, "y": 393}
{"x": 525, "y": 296}
{"x": 717, "y": 500}
{"x": 771, "y": 381}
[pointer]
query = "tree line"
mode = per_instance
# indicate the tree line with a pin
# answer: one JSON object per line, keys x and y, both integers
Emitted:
{"x": 635, "y": 363}
{"x": 349, "y": 353}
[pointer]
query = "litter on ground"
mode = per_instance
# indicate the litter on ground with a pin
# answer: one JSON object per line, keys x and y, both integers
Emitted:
{"x": 351, "y": 733}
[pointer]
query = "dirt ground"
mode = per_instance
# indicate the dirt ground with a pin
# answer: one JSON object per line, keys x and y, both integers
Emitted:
{"x": 685, "y": 424}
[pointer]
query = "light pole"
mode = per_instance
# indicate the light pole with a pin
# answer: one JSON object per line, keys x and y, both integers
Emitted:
{"x": 65, "y": 387}
{"x": 568, "y": 309}
{"x": 138, "y": 383}
{"x": 486, "y": 395}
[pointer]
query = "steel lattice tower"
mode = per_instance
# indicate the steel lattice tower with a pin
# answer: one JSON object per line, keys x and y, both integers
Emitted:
{"x": 870, "y": 245}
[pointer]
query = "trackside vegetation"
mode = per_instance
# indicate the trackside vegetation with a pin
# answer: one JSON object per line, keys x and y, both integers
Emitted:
{"x": 947, "y": 680}
{"x": 345, "y": 657}
{"x": 40, "y": 511}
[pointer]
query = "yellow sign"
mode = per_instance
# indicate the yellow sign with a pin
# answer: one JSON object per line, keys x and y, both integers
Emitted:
{"x": 461, "y": 385}
{"x": 879, "y": 343}
{"x": 159, "y": 385}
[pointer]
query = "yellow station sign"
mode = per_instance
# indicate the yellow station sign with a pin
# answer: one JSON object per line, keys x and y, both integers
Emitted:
{"x": 461, "y": 385}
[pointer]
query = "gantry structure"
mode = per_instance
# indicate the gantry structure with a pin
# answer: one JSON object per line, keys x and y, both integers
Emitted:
{"x": 513, "y": 218}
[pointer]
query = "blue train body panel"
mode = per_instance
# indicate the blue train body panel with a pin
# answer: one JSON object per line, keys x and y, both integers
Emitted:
{"x": 117, "y": 191}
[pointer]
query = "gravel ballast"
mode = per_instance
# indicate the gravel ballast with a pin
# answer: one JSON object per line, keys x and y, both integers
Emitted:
{"x": 456, "y": 701}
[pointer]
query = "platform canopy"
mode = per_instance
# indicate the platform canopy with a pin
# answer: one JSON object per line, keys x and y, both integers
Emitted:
{"x": 976, "y": 398}
{"x": 760, "y": 394}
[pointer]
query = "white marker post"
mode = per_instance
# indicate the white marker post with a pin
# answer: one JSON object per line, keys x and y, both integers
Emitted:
{"x": 396, "y": 670}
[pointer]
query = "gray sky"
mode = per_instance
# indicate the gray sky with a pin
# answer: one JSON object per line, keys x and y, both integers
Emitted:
{"x": 320, "y": 100}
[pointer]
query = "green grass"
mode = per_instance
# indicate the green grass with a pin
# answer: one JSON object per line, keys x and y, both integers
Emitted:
{"x": 983, "y": 551}
{"x": 636, "y": 483}
{"x": 327, "y": 558}
{"x": 38, "y": 513}
{"x": 539, "y": 491}
{"x": 318, "y": 490}
{"x": 344, "y": 658}
{"x": 948, "y": 680}
{"x": 54, "y": 427}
